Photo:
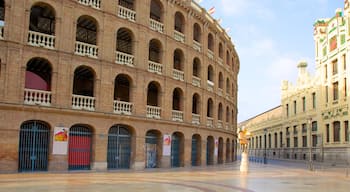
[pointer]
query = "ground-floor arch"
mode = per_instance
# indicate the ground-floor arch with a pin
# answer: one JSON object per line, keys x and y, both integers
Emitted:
{"x": 210, "y": 150}
{"x": 153, "y": 148}
{"x": 119, "y": 147}
{"x": 196, "y": 149}
{"x": 177, "y": 150}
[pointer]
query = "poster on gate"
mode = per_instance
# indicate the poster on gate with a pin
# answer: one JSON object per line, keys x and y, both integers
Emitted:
{"x": 216, "y": 147}
{"x": 60, "y": 141}
{"x": 166, "y": 145}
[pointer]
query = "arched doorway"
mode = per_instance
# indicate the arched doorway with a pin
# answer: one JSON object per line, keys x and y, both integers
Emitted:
{"x": 119, "y": 147}
{"x": 33, "y": 149}
{"x": 79, "y": 147}
{"x": 177, "y": 149}
{"x": 153, "y": 148}
{"x": 210, "y": 150}
{"x": 196, "y": 150}
{"x": 220, "y": 151}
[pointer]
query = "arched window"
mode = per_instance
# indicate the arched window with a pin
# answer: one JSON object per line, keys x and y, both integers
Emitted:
{"x": 122, "y": 87}
{"x": 177, "y": 99}
{"x": 227, "y": 114}
{"x": 83, "y": 83}
{"x": 155, "y": 50}
{"x": 153, "y": 94}
{"x": 156, "y": 12}
{"x": 210, "y": 73}
{"x": 221, "y": 51}
{"x": 129, "y": 4}
{"x": 210, "y": 42}
{"x": 195, "y": 103}
{"x": 124, "y": 41}
{"x": 197, "y": 33}
{"x": 38, "y": 74}
{"x": 179, "y": 22}
{"x": 227, "y": 58}
{"x": 221, "y": 81}
{"x": 228, "y": 84}
{"x": 196, "y": 67}
{"x": 210, "y": 108}
{"x": 220, "y": 112}
{"x": 86, "y": 30}
{"x": 178, "y": 60}
{"x": 42, "y": 19}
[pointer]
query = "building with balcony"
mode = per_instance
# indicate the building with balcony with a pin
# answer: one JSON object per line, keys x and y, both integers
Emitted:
{"x": 312, "y": 122}
{"x": 114, "y": 84}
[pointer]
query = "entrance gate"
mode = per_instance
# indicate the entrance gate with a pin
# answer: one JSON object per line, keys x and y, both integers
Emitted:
{"x": 194, "y": 152}
{"x": 119, "y": 148}
{"x": 33, "y": 146}
{"x": 175, "y": 151}
{"x": 79, "y": 148}
{"x": 151, "y": 150}
{"x": 210, "y": 151}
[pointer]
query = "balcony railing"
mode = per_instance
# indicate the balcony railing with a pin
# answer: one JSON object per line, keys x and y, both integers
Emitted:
{"x": 83, "y": 102}
{"x": 155, "y": 67}
{"x": 37, "y": 97}
{"x": 126, "y": 13}
{"x": 85, "y": 49}
{"x": 41, "y": 40}
{"x": 153, "y": 112}
{"x": 210, "y": 54}
{"x": 220, "y": 61}
{"x": 197, "y": 46}
{"x": 1, "y": 32}
{"x": 220, "y": 124}
{"x": 178, "y": 75}
{"x": 124, "y": 59}
{"x": 227, "y": 126}
{"x": 156, "y": 25}
{"x": 178, "y": 36}
{"x": 177, "y": 115}
{"x": 196, "y": 81}
{"x": 210, "y": 122}
{"x": 220, "y": 92}
{"x": 122, "y": 107}
{"x": 93, "y": 3}
{"x": 196, "y": 119}
{"x": 210, "y": 85}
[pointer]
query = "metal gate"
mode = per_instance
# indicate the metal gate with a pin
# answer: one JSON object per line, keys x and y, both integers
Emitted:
{"x": 175, "y": 151}
{"x": 79, "y": 148}
{"x": 119, "y": 148}
{"x": 210, "y": 152}
{"x": 151, "y": 150}
{"x": 33, "y": 146}
{"x": 194, "y": 152}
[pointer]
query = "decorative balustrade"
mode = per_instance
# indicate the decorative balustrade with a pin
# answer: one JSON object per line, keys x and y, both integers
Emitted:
{"x": 124, "y": 59}
{"x": 177, "y": 115}
{"x": 210, "y": 54}
{"x": 210, "y": 85}
{"x": 156, "y": 25}
{"x": 37, "y": 97}
{"x": 196, "y": 81}
{"x": 153, "y": 112}
{"x": 220, "y": 61}
{"x": 41, "y": 40}
{"x": 155, "y": 67}
{"x": 83, "y": 102}
{"x": 197, "y": 46}
{"x": 1, "y": 32}
{"x": 178, "y": 75}
{"x": 220, "y": 124}
{"x": 220, "y": 92}
{"x": 196, "y": 119}
{"x": 126, "y": 13}
{"x": 178, "y": 36}
{"x": 122, "y": 107}
{"x": 93, "y": 3}
{"x": 210, "y": 122}
{"x": 227, "y": 126}
{"x": 85, "y": 49}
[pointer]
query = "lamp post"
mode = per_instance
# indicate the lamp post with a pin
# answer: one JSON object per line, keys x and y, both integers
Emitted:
{"x": 311, "y": 166}
{"x": 265, "y": 160}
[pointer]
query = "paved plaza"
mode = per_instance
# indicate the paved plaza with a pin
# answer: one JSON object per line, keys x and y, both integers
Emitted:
{"x": 222, "y": 178}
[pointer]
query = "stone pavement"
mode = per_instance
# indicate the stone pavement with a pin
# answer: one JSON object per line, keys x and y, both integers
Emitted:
{"x": 223, "y": 178}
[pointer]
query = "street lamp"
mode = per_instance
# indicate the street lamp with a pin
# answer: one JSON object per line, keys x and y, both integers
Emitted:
{"x": 265, "y": 160}
{"x": 311, "y": 166}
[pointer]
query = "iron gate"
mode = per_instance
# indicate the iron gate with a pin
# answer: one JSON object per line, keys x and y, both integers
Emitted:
{"x": 210, "y": 152}
{"x": 33, "y": 146}
{"x": 119, "y": 148}
{"x": 175, "y": 151}
{"x": 79, "y": 148}
{"x": 151, "y": 150}
{"x": 194, "y": 152}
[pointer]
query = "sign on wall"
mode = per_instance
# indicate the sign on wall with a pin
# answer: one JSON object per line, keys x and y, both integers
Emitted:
{"x": 166, "y": 145}
{"x": 60, "y": 141}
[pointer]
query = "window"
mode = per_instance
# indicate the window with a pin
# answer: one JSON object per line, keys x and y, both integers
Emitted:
{"x": 327, "y": 133}
{"x": 345, "y": 88}
{"x": 335, "y": 91}
{"x": 335, "y": 67}
{"x": 281, "y": 139}
{"x": 325, "y": 72}
{"x": 336, "y": 131}
{"x": 287, "y": 131}
{"x": 275, "y": 140}
{"x": 295, "y": 107}
{"x": 346, "y": 129}
{"x": 295, "y": 130}
{"x": 287, "y": 110}
{"x": 344, "y": 62}
{"x": 326, "y": 90}
{"x": 288, "y": 142}
{"x": 333, "y": 43}
{"x": 304, "y": 128}
{"x": 314, "y": 140}
{"x": 295, "y": 141}
{"x": 314, "y": 100}
{"x": 314, "y": 126}
{"x": 304, "y": 141}
{"x": 304, "y": 104}
{"x": 269, "y": 140}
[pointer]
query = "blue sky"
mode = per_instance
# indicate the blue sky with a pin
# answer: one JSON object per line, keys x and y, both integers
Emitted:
{"x": 271, "y": 37}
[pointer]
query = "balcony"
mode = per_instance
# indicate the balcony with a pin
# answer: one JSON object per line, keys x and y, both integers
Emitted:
{"x": 85, "y": 49}
{"x": 178, "y": 75}
{"x": 227, "y": 126}
{"x": 196, "y": 81}
{"x": 220, "y": 61}
{"x": 155, "y": 67}
{"x": 177, "y": 115}
{"x": 1, "y": 32}
{"x": 210, "y": 54}
{"x": 83, "y": 102}
{"x": 210, "y": 85}
{"x": 124, "y": 59}
{"x": 153, "y": 112}
{"x": 126, "y": 13}
{"x": 197, "y": 46}
{"x": 220, "y": 91}
{"x": 178, "y": 36}
{"x": 41, "y": 40}
{"x": 156, "y": 26}
{"x": 122, "y": 107}
{"x": 92, "y": 3}
{"x": 220, "y": 125}
{"x": 196, "y": 119}
{"x": 210, "y": 122}
{"x": 37, "y": 97}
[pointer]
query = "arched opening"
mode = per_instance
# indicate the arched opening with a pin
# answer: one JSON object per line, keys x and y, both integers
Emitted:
{"x": 124, "y": 41}
{"x": 86, "y": 30}
{"x": 233, "y": 150}
{"x": 221, "y": 81}
{"x": 42, "y": 19}
{"x": 83, "y": 83}
{"x": 129, "y": 4}
{"x": 228, "y": 150}
{"x": 177, "y": 149}
{"x": 220, "y": 151}
{"x": 80, "y": 147}
{"x": 179, "y": 22}
{"x": 210, "y": 150}
{"x": 119, "y": 147}
{"x": 155, "y": 50}
{"x": 196, "y": 67}
{"x": 227, "y": 114}
{"x": 210, "y": 108}
{"x": 196, "y": 103}
{"x": 156, "y": 10}
{"x": 211, "y": 74}
{"x": 228, "y": 85}
{"x": 227, "y": 58}
{"x": 122, "y": 86}
{"x": 177, "y": 99}
{"x": 220, "y": 112}
{"x": 196, "y": 150}
{"x": 2, "y": 13}
{"x": 210, "y": 42}
{"x": 178, "y": 60}
{"x": 153, "y": 150}
{"x": 33, "y": 148}
{"x": 38, "y": 74}
{"x": 221, "y": 51}
{"x": 197, "y": 33}
{"x": 153, "y": 94}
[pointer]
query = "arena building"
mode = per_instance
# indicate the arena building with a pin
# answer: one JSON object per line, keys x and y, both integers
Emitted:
{"x": 108, "y": 84}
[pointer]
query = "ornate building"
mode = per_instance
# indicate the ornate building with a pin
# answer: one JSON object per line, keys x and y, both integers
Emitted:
{"x": 114, "y": 84}
{"x": 312, "y": 122}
